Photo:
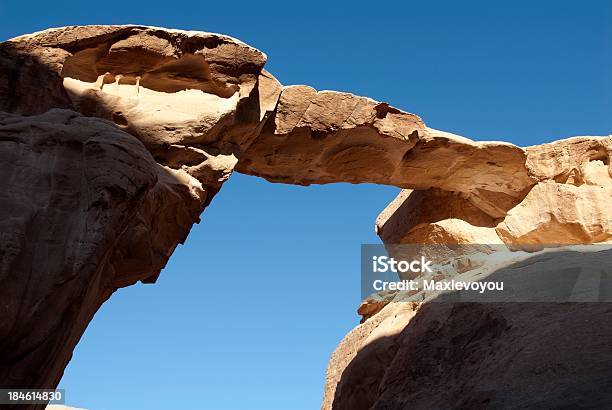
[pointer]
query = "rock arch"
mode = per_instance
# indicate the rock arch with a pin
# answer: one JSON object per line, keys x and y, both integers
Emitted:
{"x": 114, "y": 139}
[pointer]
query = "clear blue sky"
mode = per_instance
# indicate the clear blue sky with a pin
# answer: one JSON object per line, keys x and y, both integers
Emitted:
{"x": 247, "y": 313}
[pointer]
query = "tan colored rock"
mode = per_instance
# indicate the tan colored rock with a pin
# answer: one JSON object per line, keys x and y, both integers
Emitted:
{"x": 167, "y": 61}
{"x": 322, "y": 137}
{"x": 571, "y": 204}
{"x": 492, "y": 354}
{"x": 328, "y": 136}
{"x": 413, "y": 210}
{"x": 376, "y": 340}
{"x": 452, "y": 231}
{"x": 115, "y": 138}
{"x": 566, "y": 159}
{"x": 205, "y": 91}
{"x": 375, "y": 303}
{"x": 205, "y": 94}
{"x": 555, "y": 213}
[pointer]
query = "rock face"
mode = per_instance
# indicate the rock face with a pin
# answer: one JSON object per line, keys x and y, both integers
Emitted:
{"x": 443, "y": 354}
{"x": 327, "y": 136}
{"x": 568, "y": 202}
{"x": 114, "y": 139}
{"x": 85, "y": 210}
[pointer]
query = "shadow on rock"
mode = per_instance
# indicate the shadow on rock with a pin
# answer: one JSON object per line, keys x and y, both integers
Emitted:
{"x": 495, "y": 354}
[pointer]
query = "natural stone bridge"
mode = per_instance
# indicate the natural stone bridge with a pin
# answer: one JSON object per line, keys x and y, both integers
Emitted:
{"x": 113, "y": 140}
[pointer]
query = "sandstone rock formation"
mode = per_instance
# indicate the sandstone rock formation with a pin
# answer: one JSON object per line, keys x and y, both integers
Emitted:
{"x": 115, "y": 138}
{"x": 85, "y": 210}
{"x": 445, "y": 355}
{"x": 437, "y": 353}
{"x": 567, "y": 202}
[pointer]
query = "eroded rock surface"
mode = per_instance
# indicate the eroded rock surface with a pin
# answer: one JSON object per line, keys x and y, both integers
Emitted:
{"x": 105, "y": 172}
{"x": 85, "y": 210}
{"x": 327, "y": 136}
{"x": 571, "y": 203}
{"x": 537, "y": 344}
{"x": 509, "y": 354}
{"x": 114, "y": 139}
